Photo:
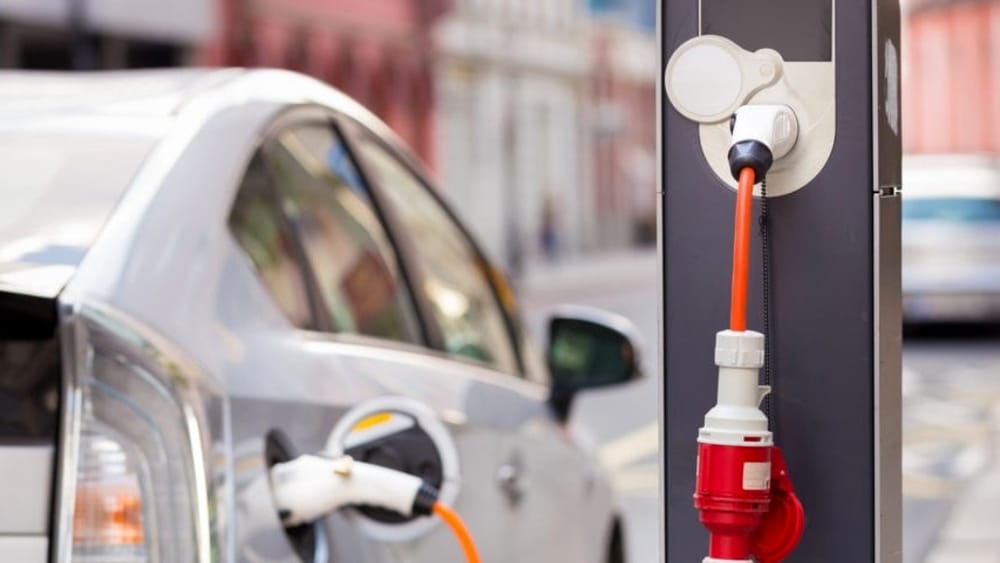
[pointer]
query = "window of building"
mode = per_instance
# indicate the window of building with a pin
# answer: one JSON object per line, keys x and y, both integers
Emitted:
{"x": 453, "y": 276}
{"x": 351, "y": 257}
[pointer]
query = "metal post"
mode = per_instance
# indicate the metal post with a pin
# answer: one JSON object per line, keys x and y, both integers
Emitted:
{"x": 835, "y": 292}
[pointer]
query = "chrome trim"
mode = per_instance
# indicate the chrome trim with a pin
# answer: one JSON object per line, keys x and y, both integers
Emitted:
{"x": 886, "y": 318}
{"x": 887, "y": 370}
{"x": 203, "y": 524}
{"x": 73, "y": 349}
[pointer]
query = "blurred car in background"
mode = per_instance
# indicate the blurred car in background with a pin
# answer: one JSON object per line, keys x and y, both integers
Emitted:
{"x": 951, "y": 239}
{"x": 202, "y": 273}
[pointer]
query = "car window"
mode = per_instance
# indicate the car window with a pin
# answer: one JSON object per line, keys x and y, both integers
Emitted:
{"x": 955, "y": 210}
{"x": 454, "y": 276}
{"x": 265, "y": 238}
{"x": 349, "y": 253}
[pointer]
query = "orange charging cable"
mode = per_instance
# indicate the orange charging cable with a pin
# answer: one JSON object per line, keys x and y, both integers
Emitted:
{"x": 741, "y": 251}
{"x": 454, "y": 521}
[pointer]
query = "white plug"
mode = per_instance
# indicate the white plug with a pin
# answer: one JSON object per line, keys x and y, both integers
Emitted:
{"x": 310, "y": 486}
{"x": 736, "y": 418}
{"x": 775, "y": 126}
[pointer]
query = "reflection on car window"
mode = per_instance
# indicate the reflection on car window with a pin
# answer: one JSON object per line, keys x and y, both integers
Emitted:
{"x": 956, "y": 210}
{"x": 454, "y": 276}
{"x": 266, "y": 240}
{"x": 352, "y": 259}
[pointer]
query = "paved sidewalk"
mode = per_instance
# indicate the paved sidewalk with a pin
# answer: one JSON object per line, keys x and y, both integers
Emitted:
{"x": 972, "y": 532}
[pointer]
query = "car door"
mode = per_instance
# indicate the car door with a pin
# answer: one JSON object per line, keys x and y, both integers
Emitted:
{"x": 314, "y": 238}
{"x": 555, "y": 506}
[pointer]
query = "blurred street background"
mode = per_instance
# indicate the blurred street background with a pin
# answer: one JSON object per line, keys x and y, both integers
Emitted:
{"x": 539, "y": 119}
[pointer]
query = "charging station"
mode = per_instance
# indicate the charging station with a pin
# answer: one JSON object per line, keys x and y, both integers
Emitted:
{"x": 805, "y": 93}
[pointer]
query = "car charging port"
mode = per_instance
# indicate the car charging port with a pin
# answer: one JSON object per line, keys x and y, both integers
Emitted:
{"x": 395, "y": 441}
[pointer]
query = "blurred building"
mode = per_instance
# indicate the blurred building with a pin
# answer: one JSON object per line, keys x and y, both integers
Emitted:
{"x": 512, "y": 81}
{"x": 546, "y": 124}
{"x": 378, "y": 52}
{"x": 637, "y": 14}
{"x": 623, "y": 90}
{"x": 102, "y": 34}
{"x": 537, "y": 115}
{"x": 951, "y": 76}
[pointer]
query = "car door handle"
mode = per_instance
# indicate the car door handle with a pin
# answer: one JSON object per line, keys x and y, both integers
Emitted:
{"x": 509, "y": 480}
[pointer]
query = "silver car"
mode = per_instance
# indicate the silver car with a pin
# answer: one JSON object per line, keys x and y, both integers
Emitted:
{"x": 951, "y": 239}
{"x": 204, "y": 273}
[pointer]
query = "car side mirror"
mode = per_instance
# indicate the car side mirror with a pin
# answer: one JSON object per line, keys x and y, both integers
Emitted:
{"x": 589, "y": 348}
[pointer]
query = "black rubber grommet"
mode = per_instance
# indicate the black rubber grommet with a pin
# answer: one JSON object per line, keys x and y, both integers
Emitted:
{"x": 754, "y": 154}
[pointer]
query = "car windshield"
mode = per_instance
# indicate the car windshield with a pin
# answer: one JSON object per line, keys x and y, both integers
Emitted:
{"x": 954, "y": 210}
{"x": 58, "y": 189}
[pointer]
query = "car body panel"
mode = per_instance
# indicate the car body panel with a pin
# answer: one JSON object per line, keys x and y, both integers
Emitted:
{"x": 167, "y": 243}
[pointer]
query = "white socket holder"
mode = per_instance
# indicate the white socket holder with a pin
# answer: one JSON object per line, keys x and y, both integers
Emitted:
{"x": 708, "y": 78}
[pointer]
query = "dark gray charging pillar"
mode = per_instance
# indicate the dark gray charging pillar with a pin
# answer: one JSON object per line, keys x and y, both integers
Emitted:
{"x": 835, "y": 314}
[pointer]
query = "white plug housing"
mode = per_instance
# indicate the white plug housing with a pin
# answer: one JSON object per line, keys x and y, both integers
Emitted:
{"x": 310, "y": 486}
{"x": 736, "y": 418}
{"x": 773, "y": 125}
{"x": 708, "y": 78}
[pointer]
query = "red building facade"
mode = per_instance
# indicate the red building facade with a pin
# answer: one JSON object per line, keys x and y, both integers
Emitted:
{"x": 624, "y": 99}
{"x": 380, "y": 52}
{"x": 951, "y": 77}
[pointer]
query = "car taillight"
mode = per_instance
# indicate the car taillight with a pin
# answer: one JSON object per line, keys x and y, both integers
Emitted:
{"x": 108, "y": 520}
{"x": 136, "y": 488}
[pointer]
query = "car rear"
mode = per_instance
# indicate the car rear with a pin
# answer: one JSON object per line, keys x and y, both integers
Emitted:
{"x": 99, "y": 454}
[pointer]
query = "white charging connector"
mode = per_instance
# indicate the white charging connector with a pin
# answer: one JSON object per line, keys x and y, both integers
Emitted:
{"x": 773, "y": 125}
{"x": 761, "y": 135}
{"x": 310, "y": 486}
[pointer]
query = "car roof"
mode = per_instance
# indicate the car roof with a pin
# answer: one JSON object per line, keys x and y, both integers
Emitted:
{"x": 951, "y": 176}
{"x": 158, "y": 93}
{"x": 149, "y": 93}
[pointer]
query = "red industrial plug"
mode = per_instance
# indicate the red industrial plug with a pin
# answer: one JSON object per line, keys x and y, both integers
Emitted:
{"x": 732, "y": 495}
{"x": 743, "y": 492}
{"x": 733, "y": 486}
{"x": 780, "y": 530}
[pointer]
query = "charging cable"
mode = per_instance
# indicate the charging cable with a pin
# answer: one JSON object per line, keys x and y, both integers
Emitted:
{"x": 742, "y": 490}
{"x": 761, "y": 135}
{"x": 312, "y": 486}
{"x": 741, "y": 250}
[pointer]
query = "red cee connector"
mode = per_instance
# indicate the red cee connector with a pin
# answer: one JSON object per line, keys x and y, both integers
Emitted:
{"x": 733, "y": 486}
{"x": 782, "y": 526}
{"x": 743, "y": 493}
{"x": 730, "y": 505}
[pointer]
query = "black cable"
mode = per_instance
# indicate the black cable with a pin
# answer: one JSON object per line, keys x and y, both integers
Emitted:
{"x": 765, "y": 267}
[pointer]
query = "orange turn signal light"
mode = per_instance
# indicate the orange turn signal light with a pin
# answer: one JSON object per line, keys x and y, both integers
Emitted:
{"x": 108, "y": 515}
